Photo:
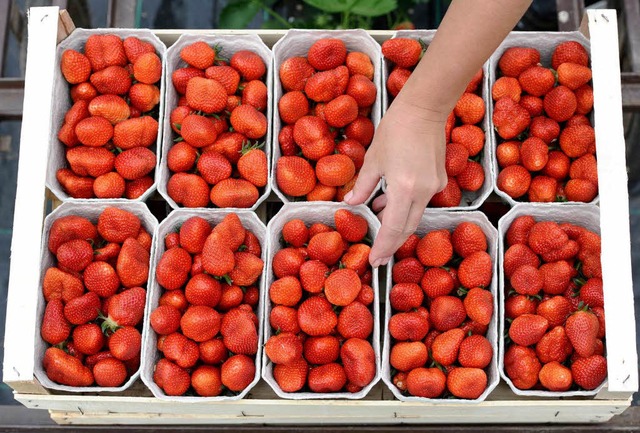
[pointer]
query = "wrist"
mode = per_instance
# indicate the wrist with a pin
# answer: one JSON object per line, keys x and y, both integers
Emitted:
{"x": 418, "y": 110}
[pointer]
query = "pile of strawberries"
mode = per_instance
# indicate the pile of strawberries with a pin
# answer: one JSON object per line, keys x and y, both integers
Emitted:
{"x": 555, "y": 306}
{"x": 548, "y": 152}
{"x": 221, "y": 128}
{"x": 465, "y": 139}
{"x": 108, "y": 130}
{"x": 326, "y": 112}
{"x": 321, "y": 313}
{"x": 442, "y": 307}
{"x": 95, "y": 298}
{"x": 206, "y": 318}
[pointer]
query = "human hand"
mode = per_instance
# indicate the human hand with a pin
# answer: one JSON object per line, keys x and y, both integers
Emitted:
{"x": 408, "y": 149}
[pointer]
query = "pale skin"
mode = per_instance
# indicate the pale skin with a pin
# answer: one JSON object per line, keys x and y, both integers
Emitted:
{"x": 408, "y": 148}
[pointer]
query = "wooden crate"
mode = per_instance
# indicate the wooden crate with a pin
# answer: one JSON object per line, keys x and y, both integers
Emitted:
{"x": 47, "y": 26}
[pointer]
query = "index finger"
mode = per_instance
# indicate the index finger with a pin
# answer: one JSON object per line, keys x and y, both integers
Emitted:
{"x": 393, "y": 223}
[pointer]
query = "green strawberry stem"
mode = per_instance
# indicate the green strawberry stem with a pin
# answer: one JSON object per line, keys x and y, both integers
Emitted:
{"x": 108, "y": 326}
{"x": 248, "y": 147}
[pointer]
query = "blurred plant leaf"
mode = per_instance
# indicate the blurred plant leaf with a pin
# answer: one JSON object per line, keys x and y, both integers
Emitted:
{"x": 333, "y": 6}
{"x": 237, "y": 14}
{"x": 373, "y": 8}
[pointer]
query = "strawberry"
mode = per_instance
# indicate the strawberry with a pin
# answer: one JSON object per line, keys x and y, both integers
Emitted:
{"x": 255, "y": 94}
{"x": 230, "y": 231}
{"x": 591, "y": 293}
{"x": 342, "y": 287}
{"x": 213, "y": 351}
{"x": 560, "y": 103}
{"x": 200, "y": 323}
{"x": 55, "y": 328}
{"x": 555, "y": 310}
{"x": 207, "y": 381}
{"x": 249, "y": 64}
{"x": 518, "y": 255}
{"x": 165, "y": 319}
{"x": 408, "y": 248}
{"x": 321, "y": 350}
{"x": 557, "y": 166}
{"x": 74, "y": 255}
{"x": 326, "y": 247}
{"x": 359, "y": 63}
{"x": 75, "y": 67}
{"x": 66, "y": 369}
{"x": 284, "y": 319}
{"x": 445, "y": 347}
{"x": 198, "y": 54}
{"x": 238, "y": 193}
{"x": 352, "y": 227}
{"x": 238, "y": 372}
{"x": 518, "y": 305}
{"x": 287, "y": 262}
{"x": 134, "y": 48}
{"x": 327, "y": 378}
{"x": 586, "y": 168}
{"x": 467, "y": 383}
{"x": 295, "y": 233}
{"x": 232, "y": 297}
{"x": 112, "y": 80}
{"x": 203, "y": 289}
{"x": 475, "y": 270}
{"x": 124, "y": 344}
{"x": 404, "y": 52}
{"x": 173, "y": 268}
{"x": 133, "y": 264}
{"x": 425, "y": 382}
{"x": 67, "y": 135}
{"x": 316, "y": 317}
{"x": 584, "y": 99}
{"x": 554, "y": 346}
{"x": 135, "y": 163}
{"x": 182, "y": 76}
{"x": 252, "y": 166}
{"x": 313, "y": 274}
{"x": 475, "y": 81}
{"x": 88, "y": 338}
{"x": 173, "y": 379}
{"x": 475, "y": 352}
{"x": 589, "y": 372}
{"x": 105, "y": 50}
{"x": 68, "y": 228}
{"x": 284, "y": 348}
{"x": 522, "y": 366}
{"x": 360, "y": 130}
{"x": 357, "y": 258}
{"x": 366, "y": 295}
{"x": 435, "y": 248}
{"x": 537, "y": 80}
{"x": 518, "y": 232}
{"x": 247, "y": 270}
{"x": 246, "y": 120}
{"x": 528, "y": 329}
{"x": 450, "y": 196}
{"x": 207, "y": 95}
{"x": 94, "y": 131}
{"x": 532, "y": 104}
{"x": 472, "y": 177}
{"x": 294, "y": 73}
{"x": 287, "y": 144}
{"x": 341, "y": 111}
{"x": 506, "y": 86}
{"x": 291, "y": 377}
{"x": 478, "y": 305}
{"x": 405, "y": 296}
{"x": 225, "y": 75}
{"x": 214, "y": 167}
{"x": 516, "y": 60}
{"x": 470, "y": 108}
{"x": 544, "y": 128}
{"x": 198, "y": 131}
{"x": 239, "y": 332}
{"x": 355, "y": 321}
{"x": 546, "y": 236}
{"x": 60, "y": 285}
{"x": 576, "y": 140}
{"x": 174, "y": 298}
{"x": 509, "y": 118}
{"x": 555, "y": 377}
{"x": 292, "y": 106}
{"x": 147, "y": 69}
{"x": 471, "y": 136}
{"x": 126, "y": 308}
{"x": 110, "y": 185}
{"x": 467, "y": 238}
{"x": 193, "y": 234}
{"x": 252, "y": 244}
{"x": 116, "y": 225}
{"x": 405, "y": 356}
{"x": 107, "y": 253}
{"x": 327, "y": 85}
{"x": 138, "y": 132}
{"x": 456, "y": 158}
{"x": 582, "y": 329}
{"x": 363, "y": 90}
{"x": 111, "y": 107}
{"x": 100, "y": 278}
{"x": 188, "y": 189}
{"x": 527, "y": 280}
{"x": 285, "y": 291}
{"x": 359, "y": 361}
{"x": 327, "y": 54}
{"x": 436, "y": 282}
{"x": 446, "y": 312}
{"x": 573, "y": 75}
{"x": 110, "y": 372}
{"x": 569, "y": 52}
{"x": 83, "y": 91}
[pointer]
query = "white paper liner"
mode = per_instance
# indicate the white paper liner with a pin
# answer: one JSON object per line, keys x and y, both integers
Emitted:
{"x": 545, "y": 42}
{"x": 471, "y": 200}
{"x": 90, "y": 209}
{"x": 297, "y": 43}
{"x": 230, "y": 44}
{"x": 444, "y": 219}
{"x": 62, "y": 103}
{"x": 584, "y": 215}
{"x": 150, "y": 353}
{"x": 317, "y": 212}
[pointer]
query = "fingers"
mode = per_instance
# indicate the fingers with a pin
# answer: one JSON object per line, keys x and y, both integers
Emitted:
{"x": 366, "y": 183}
{"x": 379, "y": 203}
{"x": 393, "y": 225}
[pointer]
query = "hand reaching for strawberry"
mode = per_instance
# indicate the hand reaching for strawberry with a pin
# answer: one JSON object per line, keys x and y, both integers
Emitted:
{"x": 408, "y": 148}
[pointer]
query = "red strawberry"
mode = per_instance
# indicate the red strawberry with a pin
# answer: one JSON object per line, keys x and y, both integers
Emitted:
{"x": 55, "y": 328}
{"x": 591, "y": 293}
{"x": 327, "y": 85}
{"x": 411, "y": 326}
{"x": 470, "y": 108}
{"x": 589, "y": 372}
{"x": 313, "y": 274}
{"x": 203, "y": 289}
{"x": 291, "y": 377}
{"x": 75, "y": 66}
{"x": 66, "y": 369}
{"x": 239, "y": 332}
{"x": 181, "y": 77}
{"x": 522, "y": 366}
{"x": 126, "y": 308}
{"x": 316, "y": 316}
{"x": 467, "y": 238}
{"x": 74, "y": 255}
{"x": 405, "y": 356}
{"x": 287, "y": 262}
{"x": 83, "y": 91}
{"x": 94, "y": 131}
{"x": 352, "y": 227}
{"x": 355, "y": 321}
{"x": 576, "y": 140}
{"x": 133, "y": 264}
{"x": 107, "y": 253}
{"x": 475, "y": 352}
{"x": 147, "y": 69}
{"x": 554, "y": 346}
{"x": 560, "y": 103}
{"x": 342, "y": 287}
{"x": 446, "y": 312}
{"x": 555, "y": 310}
{"x": 200, "y": 323}
{"x": 135, "y": 163}
{"x": 234, "y": 193}
{"x": 321, "y": 350}
{"x": 508, "y": 153}
{"x": 537, "y": 80}
{"x": 570, "y": 51}
{"x": 110, "y": 372}
{"x": 516, "y": 60}
{"x": 284, "y": 348}
{"x": 294, "y": 73}
{"x": 295, "y": 233}
{"x": 213, "y": 351}
{"x": 509, "y": 118}
{"x": 582, "y": 329}
{"x": 476, "y": 270}
{"x": 404, "y": 52}
{"x": 506, "y": 86}
{"x": 327, "y": 378}
{"x": 436, "y": 282}
{"x": 90, "y": 161}
{"x": 101, "y": 278}
{"x": 292, "y": 106}
{"x": 584, "y": 99}
{"x": 255, "y": 94}
{"x": 105, "y": 50}
{"x": 165, "y": 319}
{"x": 284, "y": 319}
{"x": 360, "y": 130}
{"x": 116, "y": 225}
{"x": 445, "y": 347}
{"x": 172, "y": 379}
{"x": 425, "y": 382}
{"x": 138, "y": 132}
{"x": 518, "y": 255}
{"x": 527, "y": 280}
{"x": 479, "y": 305}
{"x": 60, "y": 285}
{"x": 198, "y": 54}
{"x": 247, "y": 270}
{"x": 246, "y": 120}
{"x": 471, "y": 136}
{"x": 193, "y": 234}
{"x": 249, "y": 64}
{"x": 188, "y": 189}
{"x": 112, "y": 80}
{"x": 405, "y": 296}
{"x": 125, "y": 343}
{"x": 467, "y": 383}
{"x": 252, "y": 166}
{"x": 435, "y": 248}
{"x": 207, "y": 381}
{"x": 528, "y": 329}
{"x": 134, "y": 48}
{"x": 341, "y": 111}
{"x": 88, "y": 338}
{"x": 363, "y": 90}
{"x": 327, "y": 54}
{"x": 573, "y": 75}
{"x": 359, "y": 361}
{"x": 326, "y": 247}
{"x": 357, "y": 258}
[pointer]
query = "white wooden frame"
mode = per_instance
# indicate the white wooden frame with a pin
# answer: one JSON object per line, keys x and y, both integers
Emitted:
{"x": 136, "y": 406}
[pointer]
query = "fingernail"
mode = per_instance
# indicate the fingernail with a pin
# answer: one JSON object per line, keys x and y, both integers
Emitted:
{"x": 385, "y": 261}
{"x": 347, "y": 197}
{"x": 376, "y": 263}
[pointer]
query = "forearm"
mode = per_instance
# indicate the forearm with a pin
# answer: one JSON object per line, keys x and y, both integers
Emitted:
{"x": 469, "y": 34}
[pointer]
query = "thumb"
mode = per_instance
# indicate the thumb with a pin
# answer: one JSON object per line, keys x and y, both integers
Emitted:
{"x": 368, "y": 178}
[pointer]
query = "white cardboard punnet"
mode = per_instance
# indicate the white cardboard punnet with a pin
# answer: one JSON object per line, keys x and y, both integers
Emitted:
{"x": 150, "y": 354}
{"x": 296, "y": 43}
{"x": 584, "y": 215}
{"x": 471, "y": 200}
{"x": 444, "y": 219}
{"x": 229, "y": 44}
{"x": 62, "y": 103}
{"x": 545, "y": 42}
{"x": 90, "y": 209}
{"x": 316, "y": 212}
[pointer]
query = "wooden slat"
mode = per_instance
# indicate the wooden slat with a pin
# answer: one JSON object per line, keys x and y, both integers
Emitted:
{"x": 569, "y": 14}
{"x": 4, "y": 28}
{"x": 631, "y": 10}
{"x": 12, "y": 96}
